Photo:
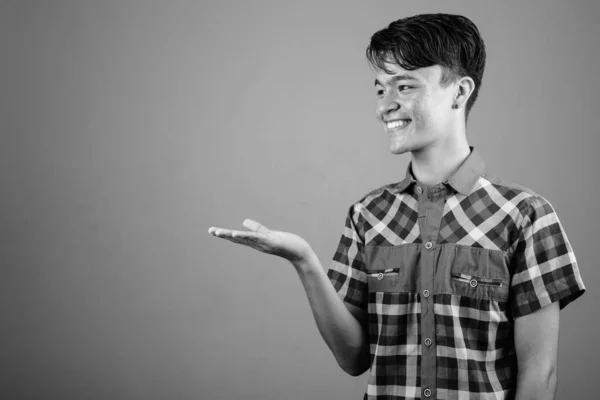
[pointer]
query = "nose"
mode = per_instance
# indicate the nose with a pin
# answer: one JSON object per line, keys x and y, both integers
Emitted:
{"x": 387, "y": 104}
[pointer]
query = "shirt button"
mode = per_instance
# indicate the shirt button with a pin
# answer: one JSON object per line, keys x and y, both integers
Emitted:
{"x": 427, "y": 342}
{"x": 428, "y": 245}
{"x": 427, "y": 393}
{"x": 426, "y": 293}
{"x": 473, "y": 283}
{"x": 419, "y": 190}
{"x": 380, "y": 276}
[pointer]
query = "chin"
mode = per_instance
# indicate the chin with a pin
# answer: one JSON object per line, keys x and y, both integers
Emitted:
{"x": 400, "y": 145}
{"x": 398, "y": 150}
{"x": 409, "y": 146}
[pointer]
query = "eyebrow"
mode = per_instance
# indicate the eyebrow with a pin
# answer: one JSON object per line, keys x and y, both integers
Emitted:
{"x": 397, "y": 78}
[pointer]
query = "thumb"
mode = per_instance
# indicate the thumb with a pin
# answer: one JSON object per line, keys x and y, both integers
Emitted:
{"x": 254, "y": 226}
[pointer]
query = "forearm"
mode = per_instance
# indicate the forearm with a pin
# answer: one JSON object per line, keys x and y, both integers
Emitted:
{"x": 339, "y": 328}
{"x": 536, "y": 383}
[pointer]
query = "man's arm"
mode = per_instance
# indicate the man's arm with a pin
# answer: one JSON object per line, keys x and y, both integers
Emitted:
{"x": 340, "y": 325}
{"x": 536, "y": 343}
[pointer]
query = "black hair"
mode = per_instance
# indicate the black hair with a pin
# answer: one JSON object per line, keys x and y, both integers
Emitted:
{"x": 451, "y": 41}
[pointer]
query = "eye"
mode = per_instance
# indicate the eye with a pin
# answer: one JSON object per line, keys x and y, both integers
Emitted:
{"x": 379, "y": 92}
{"x": 402, "y": 88}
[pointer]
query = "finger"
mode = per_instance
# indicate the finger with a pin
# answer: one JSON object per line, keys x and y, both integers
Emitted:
{"x": 254, "y": 236}
{"x": 228, "y": 233}
{"x": 220, "y": 232}
{"x": 237, "y": 240}
{"x": 245, "y": 242}
{"x": 212, "y": 230}
{"x": 223, "y": 233}
{"x": 254, "y": 226}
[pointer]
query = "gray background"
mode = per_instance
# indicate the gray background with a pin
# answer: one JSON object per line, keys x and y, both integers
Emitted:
{"x": 128, "y": 128}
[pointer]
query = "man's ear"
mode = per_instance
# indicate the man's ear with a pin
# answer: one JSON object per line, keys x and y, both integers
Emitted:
{"x": 464, "y": 87}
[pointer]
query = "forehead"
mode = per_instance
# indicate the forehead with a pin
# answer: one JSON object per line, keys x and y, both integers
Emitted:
{"x": 427, "y": 75}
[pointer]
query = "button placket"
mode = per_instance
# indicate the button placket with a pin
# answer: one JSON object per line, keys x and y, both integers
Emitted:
{"x": 430, "y": 214}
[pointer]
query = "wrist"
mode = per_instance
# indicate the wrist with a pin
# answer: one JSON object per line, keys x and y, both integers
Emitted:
{"x": 307, "y": 262}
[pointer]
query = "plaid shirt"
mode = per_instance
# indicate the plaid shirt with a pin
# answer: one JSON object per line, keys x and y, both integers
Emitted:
{"x": 443, "y": 272}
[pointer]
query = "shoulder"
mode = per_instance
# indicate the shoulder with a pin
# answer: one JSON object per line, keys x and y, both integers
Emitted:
{"x": 526, "y": 200}
{"x": 384, "y": 193}
{"x": 372, "y": 202}
{"x": 503, "y": 183}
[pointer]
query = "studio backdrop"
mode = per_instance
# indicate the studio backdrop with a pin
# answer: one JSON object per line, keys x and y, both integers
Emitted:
{"x": 128, "y": 128}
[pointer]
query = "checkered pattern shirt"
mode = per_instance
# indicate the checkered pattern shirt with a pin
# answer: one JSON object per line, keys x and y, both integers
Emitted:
{"x": 443, "y": 272}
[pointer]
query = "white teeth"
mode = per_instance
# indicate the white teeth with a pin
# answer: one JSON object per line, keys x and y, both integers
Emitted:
{"x": 397, "y": 124}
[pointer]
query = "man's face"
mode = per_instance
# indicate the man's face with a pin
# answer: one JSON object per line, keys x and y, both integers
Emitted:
{"x": 413, "y": 108}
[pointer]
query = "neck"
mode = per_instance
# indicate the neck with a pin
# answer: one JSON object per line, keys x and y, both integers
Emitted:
{"x": 437, "y": 162}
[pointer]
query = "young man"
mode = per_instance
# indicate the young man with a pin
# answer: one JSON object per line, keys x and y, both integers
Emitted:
{"x": 447, "y": 284}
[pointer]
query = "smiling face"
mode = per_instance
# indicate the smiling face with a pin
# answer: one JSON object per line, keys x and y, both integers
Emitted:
{"x": 414, "y": 109}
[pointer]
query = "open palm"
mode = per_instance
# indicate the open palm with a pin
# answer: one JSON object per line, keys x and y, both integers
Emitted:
{"x": 283, "y": 244}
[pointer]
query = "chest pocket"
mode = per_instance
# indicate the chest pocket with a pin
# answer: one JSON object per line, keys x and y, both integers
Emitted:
{"x": 473, "y": 272}
{"x": 392, "y": 268}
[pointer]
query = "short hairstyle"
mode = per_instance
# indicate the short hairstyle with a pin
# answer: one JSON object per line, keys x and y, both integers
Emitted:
{"x": 451, "y": 41}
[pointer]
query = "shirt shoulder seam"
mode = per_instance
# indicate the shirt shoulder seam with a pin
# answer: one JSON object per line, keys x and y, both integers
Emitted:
{"x": 376, "y": 192}
{"x": 496, "y": 180}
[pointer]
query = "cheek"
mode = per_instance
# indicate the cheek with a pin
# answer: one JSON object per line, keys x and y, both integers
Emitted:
{"x": 441, "y": 104}
{"x": 418, "y": 111}
{"x": 426, "y": 111}
{"x": 378, "y": 110}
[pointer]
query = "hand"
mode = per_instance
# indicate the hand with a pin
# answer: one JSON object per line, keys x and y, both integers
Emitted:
{"x": 283, "y": 244}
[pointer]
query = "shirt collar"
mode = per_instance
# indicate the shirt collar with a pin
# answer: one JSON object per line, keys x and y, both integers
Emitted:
{"x": 462, "y": 180}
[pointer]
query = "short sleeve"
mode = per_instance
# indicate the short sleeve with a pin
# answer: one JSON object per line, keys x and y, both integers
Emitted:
{"x": 544, "y": 266}
{"x": 347, "y": 271}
